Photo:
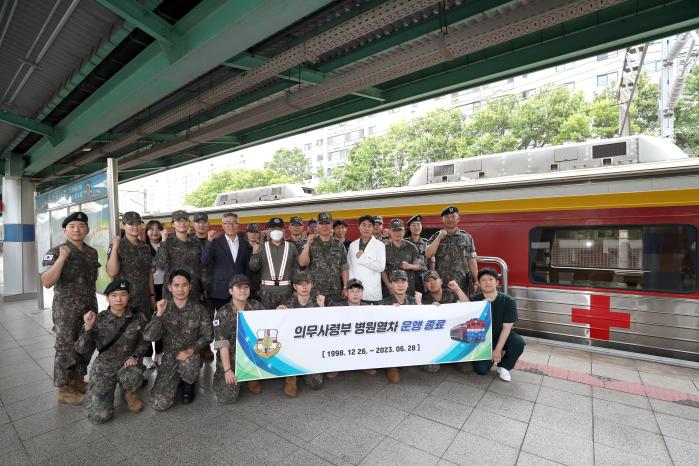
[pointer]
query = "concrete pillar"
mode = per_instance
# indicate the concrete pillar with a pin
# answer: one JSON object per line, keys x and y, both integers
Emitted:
{"x": 19, "y": 249}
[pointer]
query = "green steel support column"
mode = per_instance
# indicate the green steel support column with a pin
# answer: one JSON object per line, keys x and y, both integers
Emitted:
{"x": 143, "y": 18}
{"x": 210, "y": 34}
{"x": 30, "y": 124}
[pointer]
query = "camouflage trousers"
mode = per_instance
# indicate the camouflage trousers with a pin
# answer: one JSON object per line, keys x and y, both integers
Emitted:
{"x": 68, "y": 364}
{"x": 315, "y": 381}
{"x": 272, "y": 299}
{"x": 431, "y": 368}
{"x": 103, "y": 381}
{"x": 170, "y": 373}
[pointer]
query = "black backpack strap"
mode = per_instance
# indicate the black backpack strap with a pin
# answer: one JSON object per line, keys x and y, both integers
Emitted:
{"x": 118, "y": 335}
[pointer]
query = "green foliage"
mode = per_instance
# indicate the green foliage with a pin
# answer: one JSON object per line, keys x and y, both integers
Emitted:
{"x": 687, "y": 115}
{"x": 292, "y": 164}
{"x": 231, "y": 180}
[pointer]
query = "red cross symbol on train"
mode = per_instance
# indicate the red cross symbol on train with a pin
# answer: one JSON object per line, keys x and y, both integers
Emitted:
{"x": 600, "y": 318}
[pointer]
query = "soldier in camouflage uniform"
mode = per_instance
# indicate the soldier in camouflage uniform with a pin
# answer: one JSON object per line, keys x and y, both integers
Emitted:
{"x": 326, "y": 259}
{"x": 71, "y": 268}
{"x": 303, "y": 298}
{"x": 120, "y": 353}
{"x": 201, "y": 233}
{"x": 435, "y": 294}
{"x": 415, "y": 228}
{"x": 400, "y": 255}
{"x": 225, "y": 386}
{"x": 180, "y": 252}
{"x": 398, "y": 297}
{"x": 296, "y": 233}
{"x": 454, "y": 252}
{"x": 184, "y": 325}
{"x": 133, "y": 262}
{"x": 253, "y": 235}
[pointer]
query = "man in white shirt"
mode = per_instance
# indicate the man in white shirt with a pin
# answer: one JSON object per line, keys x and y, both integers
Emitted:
{"x": 367, "y": 259}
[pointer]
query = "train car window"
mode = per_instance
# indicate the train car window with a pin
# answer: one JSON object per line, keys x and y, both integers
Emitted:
{"x": 633, "y": 257}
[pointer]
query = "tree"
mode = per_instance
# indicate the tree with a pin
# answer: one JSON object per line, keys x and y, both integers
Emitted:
{"x": 687, "y": 115}
{"x": 290, "y": 163}
{"x": 231, "y": 180}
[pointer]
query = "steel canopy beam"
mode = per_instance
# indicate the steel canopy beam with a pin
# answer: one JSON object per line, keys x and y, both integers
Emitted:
{"x": 210, "y": 34}
{"x": 299, "y": 74}
{"x": 141, "y": 17}
{"x": 29, "y": 124}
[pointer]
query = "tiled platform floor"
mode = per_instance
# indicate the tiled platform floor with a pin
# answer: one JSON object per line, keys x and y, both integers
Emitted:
{"x": 542, "y": 417}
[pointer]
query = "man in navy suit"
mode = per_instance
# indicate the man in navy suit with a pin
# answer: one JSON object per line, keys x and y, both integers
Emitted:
{"x": 227, "y": 255}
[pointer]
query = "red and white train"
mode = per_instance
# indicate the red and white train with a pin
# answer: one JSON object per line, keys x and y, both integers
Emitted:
{"x": 600, "y": 238}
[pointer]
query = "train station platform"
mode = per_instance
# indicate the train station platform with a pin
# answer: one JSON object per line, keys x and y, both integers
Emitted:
{"x": 564, "y": 405}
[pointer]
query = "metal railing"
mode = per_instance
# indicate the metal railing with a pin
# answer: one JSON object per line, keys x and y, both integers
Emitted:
{"x": 503, "y": 267}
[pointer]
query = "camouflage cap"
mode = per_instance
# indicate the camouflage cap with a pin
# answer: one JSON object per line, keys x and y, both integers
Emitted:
{"x": 450, "y": 210}
{"x": 200, "y": 216}
{"x": 325, "y": 217}
{"x": 301, "y": 276}
{"x": 414, "y": 218}
{"x": 396, "y": 224}
{"x": 130, "y": 217}
{"x": 74, "y": 217}
{"x": 275, "y": 222}
{"x": 253, "y": 228}
{"x": 430, "y": 274}
{"x": 239, "y": 279}
{"x": 354, "y": 282}
{"x": 179, "y": 214}
{"x": 398, "y": 275}
{"x": 378, "y": 219}
{"x": 296, "y": 219}
{"x": 312, "y": 220}
{"x": 118, "y": 284}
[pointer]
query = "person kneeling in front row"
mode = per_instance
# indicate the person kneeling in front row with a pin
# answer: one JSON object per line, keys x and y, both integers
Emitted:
{"x": 507, "y": 345}
{"x": 117, "y": 333}
{"x": 184, "y": 325}
{"x": 225, "y": 385}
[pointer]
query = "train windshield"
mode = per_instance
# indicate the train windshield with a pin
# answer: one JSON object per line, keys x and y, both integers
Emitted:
{"x": 634, "y": 257}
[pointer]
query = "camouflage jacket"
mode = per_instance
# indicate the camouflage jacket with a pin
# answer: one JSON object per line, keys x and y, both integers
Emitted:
{"x": 207, "y": 272}
{"x": 176, "y": 254}
{"x": 181, "y": 329}
{"x": 226, "y": 323}
{"x": 106, "y": 326}
{"x": 448, "y": 297}
{"x": 409, "y": 301}
{"x": 135, "y": 265}
{"x": 451, "y": 259}
{"x": 397, "y": 254}
{"x": 293, "y": 302}
{"x": 76, "y": 287}
{"x": 299, "y": 244}
{"x": 421, "y": 245}
{"x": 328, "y": 260}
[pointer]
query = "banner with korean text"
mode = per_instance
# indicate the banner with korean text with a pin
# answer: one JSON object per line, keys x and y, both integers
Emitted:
{"x": 281, "y": 343}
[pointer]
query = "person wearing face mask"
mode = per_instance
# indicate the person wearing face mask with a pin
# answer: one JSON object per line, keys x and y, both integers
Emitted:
{"x": 276, "y": 261}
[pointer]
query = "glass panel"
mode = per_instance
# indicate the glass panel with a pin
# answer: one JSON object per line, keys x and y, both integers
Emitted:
{"x": 98, "y": 237}
{"x": 650, "y": 257}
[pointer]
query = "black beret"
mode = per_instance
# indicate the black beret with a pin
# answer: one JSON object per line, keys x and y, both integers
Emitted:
{"x": 450, "y": 210}
{"x": 74, "y": 217}
{"x": 118, "y": 284}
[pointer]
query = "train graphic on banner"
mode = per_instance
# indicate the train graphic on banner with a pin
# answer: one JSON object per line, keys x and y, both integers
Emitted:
{"x": 600, "y": 237}
{"x": 473, "y": 331}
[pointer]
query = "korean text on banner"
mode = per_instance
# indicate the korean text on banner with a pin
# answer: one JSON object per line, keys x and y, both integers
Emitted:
{"x": 282, "y": 343}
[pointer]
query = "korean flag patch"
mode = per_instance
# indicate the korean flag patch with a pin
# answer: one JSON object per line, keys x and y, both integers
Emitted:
{"x": 49, "y": 259}
{"x": 215, "y": 322}
{"x": 109, "y": 249}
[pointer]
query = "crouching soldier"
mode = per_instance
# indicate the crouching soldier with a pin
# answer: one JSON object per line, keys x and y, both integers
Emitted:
{"x": 303, "y": 298}
{"x": 184, "y": 325}
{"x": 399, "y": 297}
{"x": 226, "y": 387}
{"x": 117, "y": 333}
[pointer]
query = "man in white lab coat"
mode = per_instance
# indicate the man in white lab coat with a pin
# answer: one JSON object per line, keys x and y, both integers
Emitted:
{"x": 367, "y": 259}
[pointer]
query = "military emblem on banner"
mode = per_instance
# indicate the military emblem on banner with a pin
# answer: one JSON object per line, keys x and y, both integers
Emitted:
{"x": 267, "y": 344}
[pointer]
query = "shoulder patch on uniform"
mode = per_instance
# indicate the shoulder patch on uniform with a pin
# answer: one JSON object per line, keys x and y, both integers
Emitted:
{"x": 215, "y": 322}
{"x": 109, "y": 249}
{"x": 48, "y": 257}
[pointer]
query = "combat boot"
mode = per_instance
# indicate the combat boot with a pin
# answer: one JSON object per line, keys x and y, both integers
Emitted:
{"x": 79, "y": 384}
{"x": 207, "y": 354}
{"x": 290, "y": 387}
{"x": 393, "y": 375}
{"x": 254, "y": 387}
{"x": 331, "y": 375}
{"x": 68, "y": 395}
{"x": 133, "y": 401}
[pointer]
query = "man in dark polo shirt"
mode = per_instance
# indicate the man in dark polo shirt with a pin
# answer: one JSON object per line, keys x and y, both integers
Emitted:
{"x": 507, "y": 345}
